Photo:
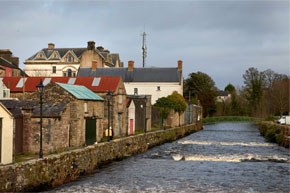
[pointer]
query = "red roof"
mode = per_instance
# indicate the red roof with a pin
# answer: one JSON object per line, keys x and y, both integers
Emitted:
{"x": 102, "y": 84}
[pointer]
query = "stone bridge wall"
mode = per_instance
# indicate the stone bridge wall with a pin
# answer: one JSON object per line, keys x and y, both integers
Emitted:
{"x": 61, "y": 168}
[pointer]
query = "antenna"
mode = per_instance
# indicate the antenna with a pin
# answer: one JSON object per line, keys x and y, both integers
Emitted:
{"x": 144, "y": 48}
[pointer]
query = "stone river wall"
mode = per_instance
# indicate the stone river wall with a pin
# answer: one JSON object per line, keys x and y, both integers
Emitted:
{"x": 54, "y": 170}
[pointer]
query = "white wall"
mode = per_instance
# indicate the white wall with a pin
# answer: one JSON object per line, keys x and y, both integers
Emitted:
{"x": 6, "y": 137}
{"x": 150, "y": 88}
{"x": 46, "y": 69}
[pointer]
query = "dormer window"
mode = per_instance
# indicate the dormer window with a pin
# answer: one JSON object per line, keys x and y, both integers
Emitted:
{"x": 69, "y": 59}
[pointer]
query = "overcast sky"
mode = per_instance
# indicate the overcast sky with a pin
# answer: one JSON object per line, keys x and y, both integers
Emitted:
{"x": 220, "y": 38}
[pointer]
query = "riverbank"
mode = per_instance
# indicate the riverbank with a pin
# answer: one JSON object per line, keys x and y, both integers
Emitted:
{"x": 274, "y": 132}
{"x": 54, "y": 170}
{"x": 212, "y": 120}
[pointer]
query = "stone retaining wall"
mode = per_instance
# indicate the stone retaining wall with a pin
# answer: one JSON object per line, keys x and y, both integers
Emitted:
{"x": 61, "y": 168}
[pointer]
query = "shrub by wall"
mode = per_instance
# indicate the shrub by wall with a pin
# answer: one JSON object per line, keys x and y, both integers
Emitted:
{"x": 273, "y": 132}
{"x": 61, "y": 168}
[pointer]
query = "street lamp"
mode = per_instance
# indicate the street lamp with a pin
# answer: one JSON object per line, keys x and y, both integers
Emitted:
{"x": 109, "y": 96}
{"x": 145, "y": 128}
{"x": 40, "y": 89}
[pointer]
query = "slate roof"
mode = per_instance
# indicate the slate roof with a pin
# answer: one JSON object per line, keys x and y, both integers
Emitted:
{"x": 8, "y": 64}
{"x": 62, "y": 51}
{"x": 102, "y": 84}
{"x": 136, "y": 75}
{"x": 223, "y": 93}
{"x": 81, "y": 92}
{"x": 49, "y": 109}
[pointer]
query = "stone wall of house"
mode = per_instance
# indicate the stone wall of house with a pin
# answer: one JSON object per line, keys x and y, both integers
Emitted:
{"x": 67, "y": 130}
{"x": 55, "y": 132}
{"x": 61, "y": 168}
{"x": 118, "y": 109}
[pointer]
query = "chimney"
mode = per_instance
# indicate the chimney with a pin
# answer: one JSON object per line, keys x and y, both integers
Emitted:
{"x": 179, "y": 67}
{"x": 100, "y": 48}
{"x": 94, "y": 65}
{"x": 130, "y": 65}
{"x": 50, "y": 46}
{"x": 91, "y": 45}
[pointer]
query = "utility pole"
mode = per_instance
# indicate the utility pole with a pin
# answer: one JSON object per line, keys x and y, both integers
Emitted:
{"x": 144, "y": 48}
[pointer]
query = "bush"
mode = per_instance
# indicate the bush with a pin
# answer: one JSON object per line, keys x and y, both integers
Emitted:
{"x": 279, "y": 139}
{"x": 270, "y": 134}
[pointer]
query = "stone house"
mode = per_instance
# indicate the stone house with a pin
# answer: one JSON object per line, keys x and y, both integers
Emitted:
{"x": 58, "y": 62}
{"x": 142, "y": 111}
{"x": 72, "y": 117}
{"x": 21, "y": 88}
{"x": 9, "y": 65}
{"x": 154, "y": 81}
{"x": 131, "y": 116}
{"x": 6, "y": 135}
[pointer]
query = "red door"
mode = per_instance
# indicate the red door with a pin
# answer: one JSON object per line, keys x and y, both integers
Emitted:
{"x": 131, "y": 126}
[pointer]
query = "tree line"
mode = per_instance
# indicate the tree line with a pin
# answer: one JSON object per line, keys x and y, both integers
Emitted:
{"x": 263, "y": 94}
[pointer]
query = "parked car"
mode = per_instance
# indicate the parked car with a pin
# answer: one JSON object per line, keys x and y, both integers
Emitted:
{"x": 284, "y": 120}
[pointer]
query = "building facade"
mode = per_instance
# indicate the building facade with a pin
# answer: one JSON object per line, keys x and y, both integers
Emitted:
{"x": 57, "y": 62}
{"x": 6, "y": 135}
{"x": 9, "y": 65}
{"x": 157, "y": 82}
{"x": 22, "y": 88}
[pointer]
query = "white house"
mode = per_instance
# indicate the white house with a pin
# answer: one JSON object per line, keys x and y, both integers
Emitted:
{"x": 56, "y": 62}
{"x": 223, "y": 96}
{"x": 6, "y": 135}
{"x": 4, "y": 91}
{"x": 157, "y": 82}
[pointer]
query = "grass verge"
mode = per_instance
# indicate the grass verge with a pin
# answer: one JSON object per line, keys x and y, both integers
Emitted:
{"x": 212, "y": 120}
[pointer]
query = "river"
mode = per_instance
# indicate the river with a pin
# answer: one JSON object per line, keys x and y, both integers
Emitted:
{"x": 224, "y": 157}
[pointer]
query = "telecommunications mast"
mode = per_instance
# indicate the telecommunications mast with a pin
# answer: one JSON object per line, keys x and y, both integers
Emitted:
{"x": 144, "y": 48}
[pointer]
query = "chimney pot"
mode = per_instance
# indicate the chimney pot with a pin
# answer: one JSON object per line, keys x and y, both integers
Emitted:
{"x": 50, "y": 46}
{"x": 130, "y": 65}
{"x": 94, "y": 65}
{"x": 100, "y": 48}
{"x": 179, "y": 67}
{"x": 91, "y": 45}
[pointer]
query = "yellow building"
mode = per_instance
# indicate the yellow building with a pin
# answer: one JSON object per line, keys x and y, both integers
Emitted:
{"x": 6, "y": 135}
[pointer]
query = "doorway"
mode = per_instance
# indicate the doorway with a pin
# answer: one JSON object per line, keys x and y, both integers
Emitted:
{"x": 91, "y": 131}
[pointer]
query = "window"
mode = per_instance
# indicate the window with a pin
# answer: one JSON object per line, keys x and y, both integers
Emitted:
{"x": 74, "y": 74}
{"x": 69, "y": 73}
{"x": 158, "y": 88}
{"x": 64, "y": 74}
{"x": 86, "y": 107}
{"x": 54, "y": 69}
{"x": 69, "y": 59}
{"x": 135, "y": 91}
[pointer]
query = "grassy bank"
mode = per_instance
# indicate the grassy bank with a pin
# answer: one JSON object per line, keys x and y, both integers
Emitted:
{"x": 273, "y": 132}
{"x": 212, "y": 120}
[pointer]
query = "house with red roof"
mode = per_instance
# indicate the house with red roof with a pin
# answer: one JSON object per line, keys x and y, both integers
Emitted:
{"x": 24, "y": 88}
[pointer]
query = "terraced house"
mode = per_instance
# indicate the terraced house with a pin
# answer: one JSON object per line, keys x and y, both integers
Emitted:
{"x": 56, "y": 62}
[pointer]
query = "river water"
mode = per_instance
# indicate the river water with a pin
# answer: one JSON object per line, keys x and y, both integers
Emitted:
{"x": 225, "y": 157}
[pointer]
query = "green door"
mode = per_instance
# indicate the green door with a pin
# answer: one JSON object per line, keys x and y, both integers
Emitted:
{"x": 91, "y": 131}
